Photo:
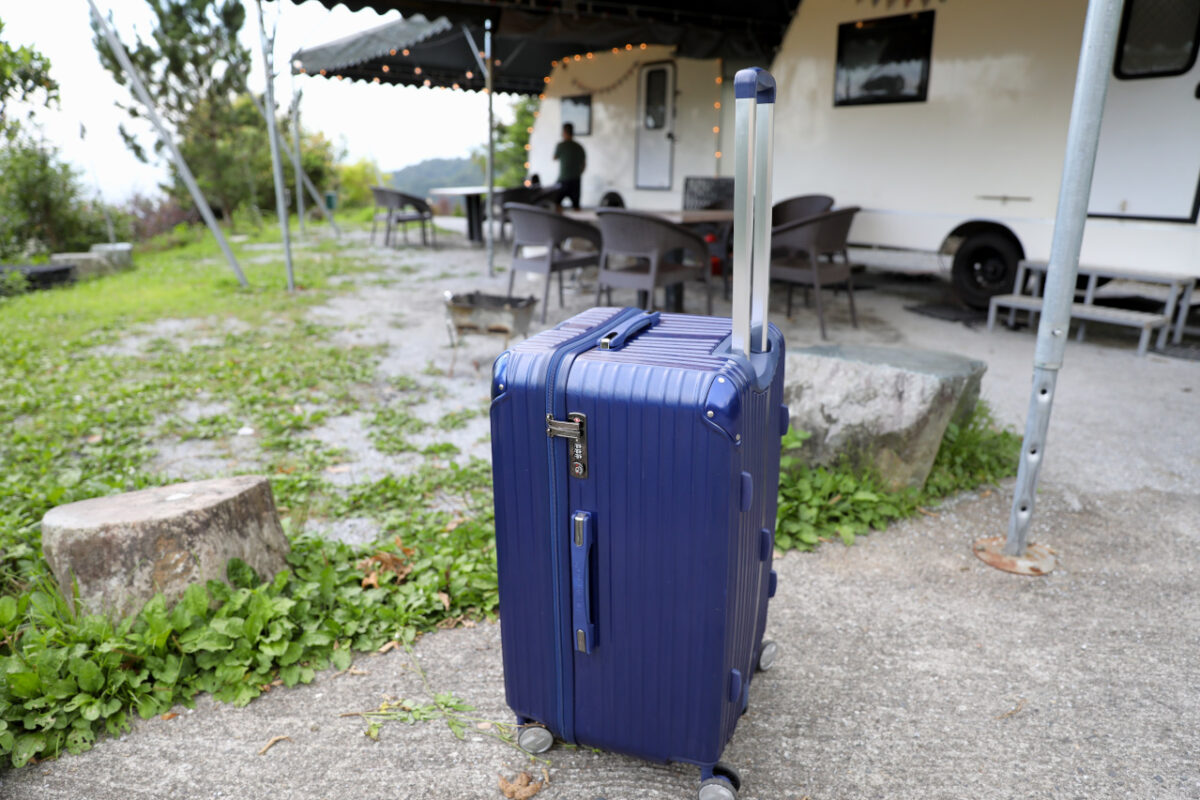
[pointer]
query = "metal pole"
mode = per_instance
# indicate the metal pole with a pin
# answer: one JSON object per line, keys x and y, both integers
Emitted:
{"x": 491, "y": 151}
{"x": 273, "y": 135}
{"x": 140, "y": 90}
{"x": 296, "y": 155}
{"x": 1083, "y": 135}
{"x": 318, "y": 202}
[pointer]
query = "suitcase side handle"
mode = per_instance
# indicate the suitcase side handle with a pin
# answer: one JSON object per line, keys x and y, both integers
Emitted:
{"x": 618, "y": 336}
{"x": 583, "y": 625}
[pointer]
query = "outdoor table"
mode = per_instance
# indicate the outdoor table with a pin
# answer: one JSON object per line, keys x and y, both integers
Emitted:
{"x": 673, "y": 295}
{"x": 473, "y": 197}
{"x": 705, "y": 216}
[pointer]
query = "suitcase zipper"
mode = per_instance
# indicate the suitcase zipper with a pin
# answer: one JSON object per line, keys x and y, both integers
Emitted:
{"x": 559, "y": 518}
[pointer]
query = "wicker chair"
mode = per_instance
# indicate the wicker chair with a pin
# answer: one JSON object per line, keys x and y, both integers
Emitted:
{"x": 802, "y": 207}
{"x": 545, "y": 232}
{"x": 656, "y": 249}
{"x": 703, "y": 193}
{"x": 807, "y": 253}
{"x": 395, "y": 205}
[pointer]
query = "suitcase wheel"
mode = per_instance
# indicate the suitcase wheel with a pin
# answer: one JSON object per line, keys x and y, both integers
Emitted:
{"x": 723, "y": 785}
{"x": 535, "y": 739}
{"x": 767, "y": 655}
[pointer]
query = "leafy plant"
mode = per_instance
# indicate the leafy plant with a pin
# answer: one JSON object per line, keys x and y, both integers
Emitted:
{"x": 816, "y": 504}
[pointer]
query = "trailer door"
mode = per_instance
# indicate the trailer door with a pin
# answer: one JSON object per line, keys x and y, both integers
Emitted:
{"x": 1148, "y": 164}
{"x": 656, "y": 126}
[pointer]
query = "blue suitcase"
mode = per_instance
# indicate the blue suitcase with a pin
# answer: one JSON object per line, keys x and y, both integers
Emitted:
{"x": 636, "y": 471}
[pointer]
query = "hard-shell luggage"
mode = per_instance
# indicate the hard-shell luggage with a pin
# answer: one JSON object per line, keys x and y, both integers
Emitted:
{"x": 636, "y": 471}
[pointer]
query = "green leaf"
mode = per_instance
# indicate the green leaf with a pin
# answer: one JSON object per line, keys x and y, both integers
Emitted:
{"x": 24, "y": 684}
{"x": 341, "y": 659}
{"x": 26, "y": 747}
{"x": 89, "y": 675}
{"x": 8, "y": 609}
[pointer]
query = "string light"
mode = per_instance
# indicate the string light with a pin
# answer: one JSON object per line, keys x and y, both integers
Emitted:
{"x": 322, "y": 72}
{"x": 642, "y": 46}
{"x": 546, "y": 79}
{"x": 386, "y": 68}
{"x": 393, "y": 52}
{"x": 541, "y": 97}
{"x": 536, "y": 114}
{"x": 416, "y": 70}
{"x": 553, "y": 64}
{"x": 376, "y": 79}
{"x": 470, "y": 75}
{"x": 428, "y": 83}
{"x": 526, "y": 165}
{"x": 530, "y": 128}
{"x": 454, "y": 86}
{"x": 404, "y": 51}
{"x": 589, "y": 55}
{"x": 527, "y": 146}
{"x": 616, "y": 50}
{"x": 717, "y": 128}
{"x": 577, "y": 56}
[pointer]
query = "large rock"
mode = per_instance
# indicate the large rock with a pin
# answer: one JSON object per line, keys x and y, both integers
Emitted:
{"x": 118, "y": 254}
{"x": 86, "y": 265}
{"x": 124, "y": 549}
{"x": 883, "y": 408}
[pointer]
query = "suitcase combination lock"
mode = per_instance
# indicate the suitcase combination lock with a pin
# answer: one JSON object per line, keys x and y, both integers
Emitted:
{"x": 574, "y": 429}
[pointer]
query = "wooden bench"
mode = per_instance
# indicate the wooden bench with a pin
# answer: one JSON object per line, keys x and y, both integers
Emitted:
{"x": 1176, "y": 288}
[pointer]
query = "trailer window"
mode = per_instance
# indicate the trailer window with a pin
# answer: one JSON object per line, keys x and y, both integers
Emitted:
{"x": 884, "y": 60}
{"x": 1158, "y": 38}
{"x": 577, "y": 110}
{"x": 656, "y": 99}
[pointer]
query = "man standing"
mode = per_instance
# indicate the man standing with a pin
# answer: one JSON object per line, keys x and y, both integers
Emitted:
{"x": 572, "y": 160}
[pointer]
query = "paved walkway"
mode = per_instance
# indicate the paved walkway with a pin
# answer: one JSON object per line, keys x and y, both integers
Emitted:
{"x": 909, "y": 669}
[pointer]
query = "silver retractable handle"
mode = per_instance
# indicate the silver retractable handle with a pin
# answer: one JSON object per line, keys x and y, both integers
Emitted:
{"x": 754, "y": 93}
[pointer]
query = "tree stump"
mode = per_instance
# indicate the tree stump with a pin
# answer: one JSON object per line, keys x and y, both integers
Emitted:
{"x": 124, "y": 549}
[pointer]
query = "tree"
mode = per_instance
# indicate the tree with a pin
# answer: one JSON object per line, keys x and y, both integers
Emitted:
{"x": 511, "y": 153}
{"x": 42, "y": 204}
{"x": 24, "y": 76}
{"x": 194, "y": 68}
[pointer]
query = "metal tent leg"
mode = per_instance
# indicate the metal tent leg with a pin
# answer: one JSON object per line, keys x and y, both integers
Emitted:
{"x": 1083, "y": 135}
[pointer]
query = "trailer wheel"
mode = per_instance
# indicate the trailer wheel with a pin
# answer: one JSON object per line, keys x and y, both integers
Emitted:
{"x": 985, "y": 265}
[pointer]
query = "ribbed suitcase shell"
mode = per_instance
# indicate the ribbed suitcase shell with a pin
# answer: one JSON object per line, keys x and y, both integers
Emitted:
{"x": 680, "y": 573}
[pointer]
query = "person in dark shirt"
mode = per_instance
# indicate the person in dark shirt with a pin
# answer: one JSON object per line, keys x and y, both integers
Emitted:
{"x": 572, "y": 160}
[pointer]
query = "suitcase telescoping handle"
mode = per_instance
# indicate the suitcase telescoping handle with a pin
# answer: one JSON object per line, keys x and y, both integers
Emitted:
{"x": 754, "y": 121}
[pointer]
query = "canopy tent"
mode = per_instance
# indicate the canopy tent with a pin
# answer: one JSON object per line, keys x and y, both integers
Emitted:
{"x": 416, "y": 51}
{"x": 697, "y": 29}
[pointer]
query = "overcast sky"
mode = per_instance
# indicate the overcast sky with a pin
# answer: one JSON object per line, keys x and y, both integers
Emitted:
{"x": 394, "y": 125}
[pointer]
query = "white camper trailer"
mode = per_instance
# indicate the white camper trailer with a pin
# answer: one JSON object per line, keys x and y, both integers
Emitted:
{"x": 945, "y": 121}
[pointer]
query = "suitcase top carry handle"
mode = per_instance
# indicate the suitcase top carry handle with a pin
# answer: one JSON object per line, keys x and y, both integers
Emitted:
{"x": 618, "y": 336}
{"x": 754, "y": 90}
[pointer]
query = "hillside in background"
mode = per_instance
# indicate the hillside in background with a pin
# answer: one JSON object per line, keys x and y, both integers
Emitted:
{"x": 419, "y": 178}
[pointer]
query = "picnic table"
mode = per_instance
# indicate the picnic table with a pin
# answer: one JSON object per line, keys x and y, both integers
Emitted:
{"x": 1172, "y": 290}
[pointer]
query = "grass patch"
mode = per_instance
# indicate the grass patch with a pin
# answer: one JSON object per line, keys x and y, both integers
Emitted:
{"x": 455, "y": 420}
{"x": 80, "y": 421}
{"x": 818, "y": 504}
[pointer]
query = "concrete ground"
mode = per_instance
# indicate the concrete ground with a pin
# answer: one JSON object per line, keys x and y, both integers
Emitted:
{"x": 909, "y": 669}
